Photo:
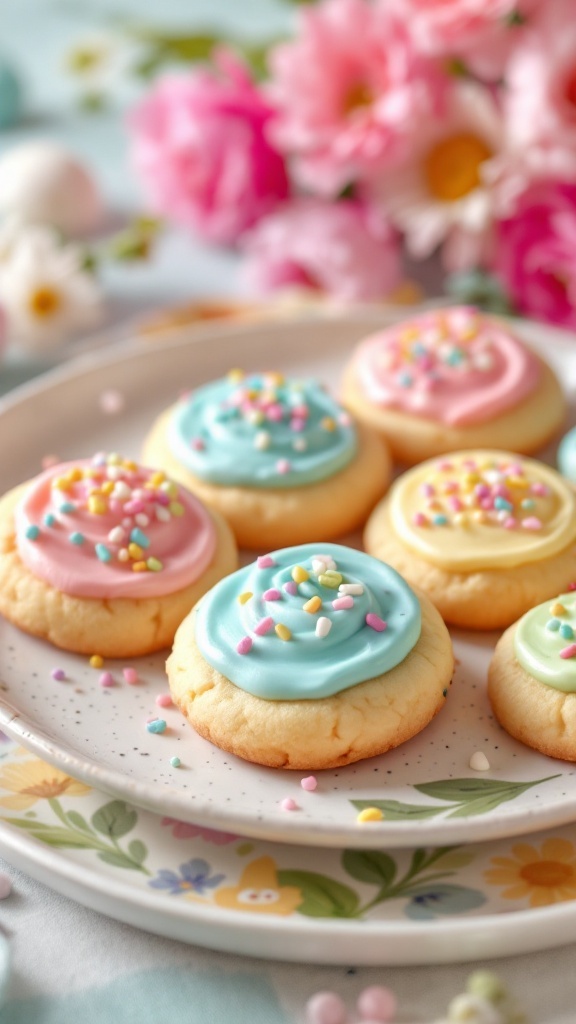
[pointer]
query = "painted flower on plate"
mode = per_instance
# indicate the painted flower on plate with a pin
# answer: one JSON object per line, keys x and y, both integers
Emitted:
{"x": 194, "y": 876}
{"x": 259, "y": 892}
{"x": 542, "y": 875}
{"x": 184, "y": 830}
{"x": 35, "y": 780}
{"x": 442, "y": 900}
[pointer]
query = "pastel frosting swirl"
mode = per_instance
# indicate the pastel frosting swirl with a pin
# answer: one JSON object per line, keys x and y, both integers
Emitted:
{"x": 261, "y": 430}
{"x": 453, "y": 365}
{"x": 545, "y": 643}
{"x": 307, "y": 622}
{"x": 108, "y": 528}
{"x": 476, "y": 510}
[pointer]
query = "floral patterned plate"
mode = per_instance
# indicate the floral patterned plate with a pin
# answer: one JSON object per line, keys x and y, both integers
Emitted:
{"x": 350, "y": 906}
{"x": 426, "y": 789}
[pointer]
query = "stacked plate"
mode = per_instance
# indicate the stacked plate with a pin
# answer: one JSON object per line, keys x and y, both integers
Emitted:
{"x": 459, "y": 868}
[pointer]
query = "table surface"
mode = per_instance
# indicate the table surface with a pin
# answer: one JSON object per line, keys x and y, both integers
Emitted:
{"x": 71, "y": 963}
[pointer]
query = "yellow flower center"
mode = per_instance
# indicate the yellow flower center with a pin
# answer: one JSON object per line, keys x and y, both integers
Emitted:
{"x": 44, "y": 302}
{"x": 452, "y": 166}
{"x": 359, "y": 95}
{"x": 548, "y": 873}
{"x": 84, "y": 59}
{"x": 185, "y": 885}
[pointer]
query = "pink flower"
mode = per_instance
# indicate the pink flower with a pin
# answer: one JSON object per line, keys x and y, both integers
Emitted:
{"x": 183, "y": 830}
{"x": 349, "y": 89}
{"x": 200, "y": 146}
{"x": 536, "y": 253}
{"x": 344, "y": 249}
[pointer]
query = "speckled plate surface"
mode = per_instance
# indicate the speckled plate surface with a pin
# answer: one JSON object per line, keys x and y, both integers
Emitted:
{"x": 342, "y": 906}
{"x": 426, "y": 788}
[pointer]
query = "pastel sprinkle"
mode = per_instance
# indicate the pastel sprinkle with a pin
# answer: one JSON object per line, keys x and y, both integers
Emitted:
{"x": 244, "y": 646}
{"x": 243, "y": 598}
{"x": 163, "y": 700}
{"x": 419, "y": 519}
{"x": 102, "y": 553}
{"x": 532, "y": 523}
{"x": 288, "y": 804}
{"x": 175, "y": 762}
{"x": 557, "y": 609}
{"x": 342, "y": 603}
{"x": 568, "y": 652}
{"x": 323, "y": 627}
{"x": 356, "y": 589}
{"x": 116, "y": 535}
{"x": 566, "y": 631}
{"x": 106, "y": 679}
{"x": 553, "y": 625}
{"x": 140, "y": 538}
{"x": 272, "y": 595}
{"x": 313, "y": 605}
{"x": 265, "y": 562}
{"x": 310, "y": 783}
{"x": 264, "y": 626}
{"x": 76, "y": 538}
{"x": 375, "y": 622}
{"x": 96, "y": 661}
{"x": 479, "y": 762}
{"x": 299, "y": 574}
{"x": 282, "y": 631}
{"x": 58, "y": 674}
{"x": 370, "y": 814}
{"x": 49, "y": 519}
{"x": 283, "y": 466}
{"x": 157, "y": 725}
{"x": 154, "y": 564}
{"x": 291, "y": 588}
{"x": 319, "y": 565}
{"x": 32, "y": 532}
{"x": 262, "y": 441}
{"x": 440, "y": 519}
{"x": 130, "y": 675}
{"x": 176, "y": 508}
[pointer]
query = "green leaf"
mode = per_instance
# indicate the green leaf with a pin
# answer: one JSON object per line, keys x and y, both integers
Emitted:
{"x": 369, "y": 866}
{"x": 460, "y": 790}
{"x": 322, "y": 896}
{"x": 483, "y": 805}
{"x": 118, "y": 859}
{"x": 138, "y": 850}
{"x": 60, "y": 837}
{"x": 76, "y": 819}
{"x": 393, "y": 810}
{"x": 31, "y": 825}
{"x": 114, "y": 819}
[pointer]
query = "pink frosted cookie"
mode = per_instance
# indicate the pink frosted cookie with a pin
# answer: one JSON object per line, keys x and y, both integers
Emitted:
{"x": 105, "y": 556}
{"x": 451, "y": 379}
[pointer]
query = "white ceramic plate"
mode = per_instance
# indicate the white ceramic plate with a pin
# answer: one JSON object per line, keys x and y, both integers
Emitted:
{"x": 285, "y": 902}
{"x": 429, "y": 792}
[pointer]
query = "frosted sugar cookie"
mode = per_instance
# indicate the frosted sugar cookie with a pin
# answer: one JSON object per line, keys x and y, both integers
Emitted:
{"x": 104, "y": 556}
{"x": 451, "y": 379}
{"x": 278, "y": 458}
{"x": 312, "y": 657}
{"x": 532, "y": 678}
{"x": 486, "y": 534}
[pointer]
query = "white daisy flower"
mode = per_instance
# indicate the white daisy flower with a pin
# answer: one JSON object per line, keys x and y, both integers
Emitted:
{"x": 44, "y": 291}
{"x": 442, "y": 194}
{"x": 100, "y": 62}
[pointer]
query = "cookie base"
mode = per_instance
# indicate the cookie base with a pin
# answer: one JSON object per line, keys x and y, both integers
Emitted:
{"x": 362, "y": 721}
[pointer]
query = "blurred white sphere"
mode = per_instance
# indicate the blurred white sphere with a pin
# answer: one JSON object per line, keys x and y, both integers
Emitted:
{"x": 42, "y": 183}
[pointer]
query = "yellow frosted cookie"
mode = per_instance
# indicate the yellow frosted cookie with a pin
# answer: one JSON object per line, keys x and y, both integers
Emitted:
{"x": 104, "y": 556}
{"x": 313, "y": 657}
{"x": 486, "y": 534}
{"x": 532, "y": 678}
{"x": 279, "y": 459}
{"x": 450, "y": 379}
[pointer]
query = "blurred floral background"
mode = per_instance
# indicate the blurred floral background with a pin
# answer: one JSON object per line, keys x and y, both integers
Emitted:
{"x": 348, "y": 151}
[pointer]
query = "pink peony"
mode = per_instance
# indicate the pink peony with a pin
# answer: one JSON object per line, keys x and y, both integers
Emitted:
{"x": 344, "y": 249}
{"x": 350, "y": 89}
{"x": 200, "y": 146}
{"x": 536, "y": 253}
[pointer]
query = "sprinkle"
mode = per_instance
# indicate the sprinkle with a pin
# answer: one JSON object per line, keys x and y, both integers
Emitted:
{"x": 130, "y": 675}
{"x": 162, "y": 514}
{"x": 106, "y": 679}
{"x": 375, "y": 622}
{"x": 96, "y": 661}
{"x": 272, "y": 595}
{"x": 568, "y": 652}
{"x": 58, "y": 674}
{"x": 102, "y": 553}
{"x": 135, "y": 551}
{"x": 309, "y": 783}
{"x": 169, "y": 488}
{"x": 283, "y": 466}
{"x": 328, "y": 423}
{"x": 154, "y": 564}
{"x": 116, "y": 535}
{"x": 49, "y": 519}
{"x": 176, "y": 508}
{"x": 319, "y": 565}
{"x": 566, "y": 631}
{"x": 572, "y": 586}
{"x": 262, "y": 440}
{"x": 323, "y": 627}
{"x": 264, "y": 626}
{"x": 164, "y": 700}
{"x": 540, "y": 490}
{"x": 157, "y": 725}
{"x": 97, "y": 505}
{"x": 291, "y": 587}
{"x": 244, "y": 646}
{"x": 341, "y": 603}
{"x": 67, "y": 507}
{"x": 510, "y": 523}
{"x": 300, "y": 444}
{"x": 370, "y": 814}
{"x": 123, "y": 555}
{"x": 299, "y": 574}
{"x": 282, "y": 631}
{"x": 142, "y": 519}
{"x": 139, "y": 566}
{"x": 313, "y": 605}
{"x": 440, "y": 519}
{"x": 557, "y": 609}
{"x": 419, "y": 519}
{"x": 32, "y": 532}
{"x": 528, "y": 503}
{"x": 479, "y": 762}
{"x": 197, "y": 444}
{"x": 243, "y": 598}
{"x": 356, "y": 589}
{"x": 76, "y": 538}
{"x": 265, "y": 562}
{"x": 502, "y": 504}
{"x": 553, "y": 625}
{"x": 288, "y": 804}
